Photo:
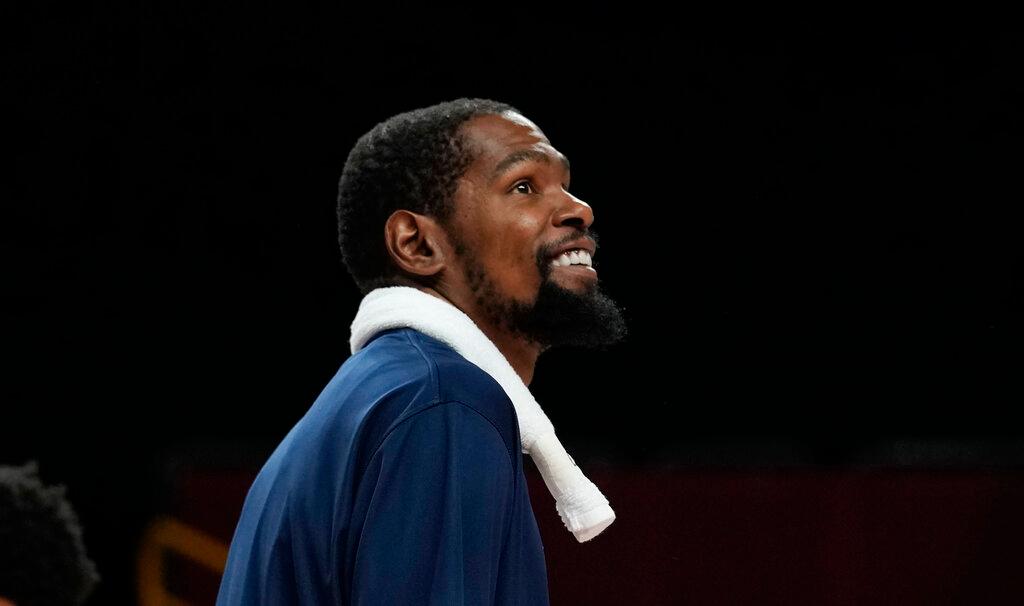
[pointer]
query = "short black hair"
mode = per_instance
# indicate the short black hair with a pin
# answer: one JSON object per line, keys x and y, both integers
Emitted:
{"x": 410, "y": 161}
{"x": 42, "y": 556}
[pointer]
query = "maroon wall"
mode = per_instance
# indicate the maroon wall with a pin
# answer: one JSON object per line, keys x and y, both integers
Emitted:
{"x": 755, "y": 536}
{"x": 793, "y": 537}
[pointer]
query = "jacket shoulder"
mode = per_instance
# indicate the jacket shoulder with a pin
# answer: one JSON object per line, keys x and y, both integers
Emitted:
{"x": 436, "y": 367}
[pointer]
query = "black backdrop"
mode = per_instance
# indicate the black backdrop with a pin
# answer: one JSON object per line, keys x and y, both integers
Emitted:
{"x": 812, "y": 233}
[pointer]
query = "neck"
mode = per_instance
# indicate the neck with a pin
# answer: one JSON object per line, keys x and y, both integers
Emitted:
{"x": 520, "y": 352}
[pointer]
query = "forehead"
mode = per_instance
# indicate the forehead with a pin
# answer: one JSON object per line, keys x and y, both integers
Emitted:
{"x": 494, "y": 137}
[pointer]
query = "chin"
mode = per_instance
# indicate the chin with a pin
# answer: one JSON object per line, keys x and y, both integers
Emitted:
{"x": 575, "y": 317}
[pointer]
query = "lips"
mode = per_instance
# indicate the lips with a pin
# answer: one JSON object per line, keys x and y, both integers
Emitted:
{"x": 584, "y": 243}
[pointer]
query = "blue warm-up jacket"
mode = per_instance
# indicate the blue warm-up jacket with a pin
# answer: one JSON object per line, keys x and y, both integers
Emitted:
{"x": 402, "y": 484}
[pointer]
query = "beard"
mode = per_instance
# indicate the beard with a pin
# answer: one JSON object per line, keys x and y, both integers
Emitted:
{"x": 557, "y": 317}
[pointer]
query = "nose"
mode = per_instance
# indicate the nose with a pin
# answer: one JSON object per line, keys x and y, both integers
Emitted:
{"x": 573, "y": 211}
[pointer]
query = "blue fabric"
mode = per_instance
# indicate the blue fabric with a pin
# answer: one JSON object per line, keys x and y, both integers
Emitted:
{"x": 403, "y": 484}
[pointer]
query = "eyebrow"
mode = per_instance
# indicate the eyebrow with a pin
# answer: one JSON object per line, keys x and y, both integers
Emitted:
{"x": 525, "y": 155}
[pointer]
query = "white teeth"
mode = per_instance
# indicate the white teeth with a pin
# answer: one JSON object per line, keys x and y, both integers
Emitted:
{"x": 574, "y": 257}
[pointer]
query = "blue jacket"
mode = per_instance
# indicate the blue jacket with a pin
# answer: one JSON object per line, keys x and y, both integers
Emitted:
{"x": 402, "y": 484}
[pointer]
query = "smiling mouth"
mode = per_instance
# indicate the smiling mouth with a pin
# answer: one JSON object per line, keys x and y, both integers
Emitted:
{"x": 573, "y": 258}
{"x": 576, "y": 261}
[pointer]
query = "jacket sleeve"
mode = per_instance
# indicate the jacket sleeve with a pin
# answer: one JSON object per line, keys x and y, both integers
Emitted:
{"x": 437, "y": 520}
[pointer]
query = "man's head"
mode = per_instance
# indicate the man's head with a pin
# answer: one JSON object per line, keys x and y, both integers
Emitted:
{"x": 410, "y": 161}
{"x": 478, "y": 215}
{"x": 42, "y": 557}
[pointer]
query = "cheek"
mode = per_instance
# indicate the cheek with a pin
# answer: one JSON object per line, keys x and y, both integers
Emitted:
{"x": 510, "y": 244}
{"x": 517, "y": 244}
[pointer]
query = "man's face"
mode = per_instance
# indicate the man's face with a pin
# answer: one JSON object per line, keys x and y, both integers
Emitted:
{"x": 513, "y": 213}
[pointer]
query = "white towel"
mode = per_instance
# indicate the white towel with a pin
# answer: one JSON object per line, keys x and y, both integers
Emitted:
{"x": 582, "y": 507}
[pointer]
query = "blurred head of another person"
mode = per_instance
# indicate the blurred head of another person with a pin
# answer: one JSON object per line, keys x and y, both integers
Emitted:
{"x": 42, "y": 557}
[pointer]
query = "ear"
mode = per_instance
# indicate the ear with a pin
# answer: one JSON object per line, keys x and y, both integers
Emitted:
{"x": 416, "y": 243}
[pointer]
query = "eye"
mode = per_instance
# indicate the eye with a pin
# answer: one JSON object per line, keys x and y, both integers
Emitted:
{"x": 525, "y": 183}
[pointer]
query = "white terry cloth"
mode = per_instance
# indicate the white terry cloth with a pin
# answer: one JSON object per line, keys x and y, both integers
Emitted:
{"x": 582, "y": 507}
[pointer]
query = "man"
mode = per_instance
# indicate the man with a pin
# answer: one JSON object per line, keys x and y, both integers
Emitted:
{"x": 403, "y": 484}
{"x": 42, "y": 556}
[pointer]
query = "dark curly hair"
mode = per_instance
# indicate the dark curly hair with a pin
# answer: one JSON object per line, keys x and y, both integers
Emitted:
{"x": 42, "y": 557}
{"x": 411, "y": 161}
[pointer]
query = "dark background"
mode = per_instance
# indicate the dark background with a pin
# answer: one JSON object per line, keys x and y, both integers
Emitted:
{"x": 813, "y": 234}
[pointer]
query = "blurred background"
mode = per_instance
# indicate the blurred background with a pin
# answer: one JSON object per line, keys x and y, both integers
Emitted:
{"x": 812, "y": 233}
